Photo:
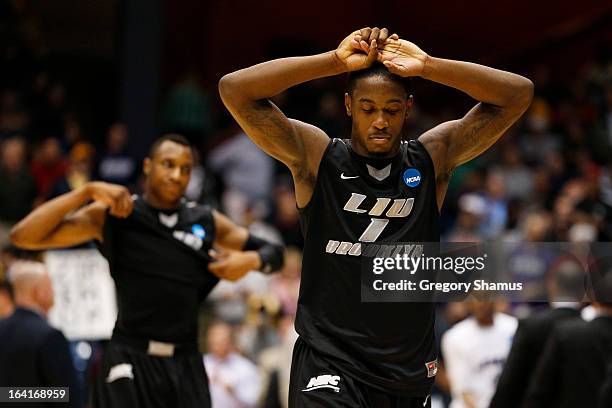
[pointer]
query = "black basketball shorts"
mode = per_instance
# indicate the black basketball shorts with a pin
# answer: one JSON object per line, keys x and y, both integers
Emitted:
{"x": 315, "y": 383}
{"x": 132, "y": 378}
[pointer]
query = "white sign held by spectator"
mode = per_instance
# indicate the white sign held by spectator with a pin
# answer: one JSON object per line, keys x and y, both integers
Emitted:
{"x": 85, "y": 304}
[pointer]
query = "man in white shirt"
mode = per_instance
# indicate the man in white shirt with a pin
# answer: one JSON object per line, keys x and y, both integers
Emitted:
{"x": 234, "y": 380}
{"x": 474, "y": 351}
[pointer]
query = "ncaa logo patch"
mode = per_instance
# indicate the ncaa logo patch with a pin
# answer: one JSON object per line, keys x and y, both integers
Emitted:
{"x": 412, "y": 177}
{"x": 198, "y": 231}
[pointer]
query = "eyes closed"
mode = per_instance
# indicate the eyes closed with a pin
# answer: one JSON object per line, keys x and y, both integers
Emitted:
{"x": 390, "y": 110}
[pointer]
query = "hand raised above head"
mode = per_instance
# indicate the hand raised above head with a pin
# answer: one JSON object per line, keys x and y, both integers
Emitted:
{"x": 360, "y": 49}
{"x": 403, "y": 57}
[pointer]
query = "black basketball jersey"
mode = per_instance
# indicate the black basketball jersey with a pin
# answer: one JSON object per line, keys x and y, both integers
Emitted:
{"x": 159, "y": 262}
{"x": 356, "y": 207}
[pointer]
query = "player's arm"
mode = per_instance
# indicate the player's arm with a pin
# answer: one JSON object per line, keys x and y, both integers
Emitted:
{"x": 246, "y": 94}
{"x": 240, "y": 252}
{"x": 65, "y": 221}
{"x": 469, "y": 400}
{"x": 502, "y": 96}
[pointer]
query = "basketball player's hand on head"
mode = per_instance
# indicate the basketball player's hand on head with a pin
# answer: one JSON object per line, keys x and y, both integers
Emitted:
{"x": 360, "y": 49}
{"x": 403, "y": 58}
{"x": 116, "y": 197}
{"x": 233, "y": 265}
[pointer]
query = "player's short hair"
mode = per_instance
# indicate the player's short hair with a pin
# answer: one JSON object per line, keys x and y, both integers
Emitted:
{"x": 171, "y": 137}
{"x": 379, "y": 70}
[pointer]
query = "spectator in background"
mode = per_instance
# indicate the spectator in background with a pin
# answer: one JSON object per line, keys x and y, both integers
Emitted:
{"x": 254, "y": 219}
{"x": 285, "y": 286}
{"x": 528, "y": 263}
{"x": 49, "y": 120}
{"x": 275, "y": 363}
{"x": 48, "y": 167}
{"x": 187, "y": 110}
{"x": 73, "y": 132}
{"x": 538, "y": 141}
{"x": 247, "y": 173}
{"x": 234, "y": 380}
{"x": 35, "y": 353}
{"x": 13, "y": 116}
{"x": 516, "y": 177}
{"x": 115, "y": 165}
{"x": 565, "y": 289}
{"x": 472, "y": 212}
{"x": 79, "y": 170}
{"x": 497, "y": 206}
{"x": 556, "y": 166}
{"x": 329, "y": 110}
{"x": 572, "y": 368}
{"x": 17, "y": 186}
{"x": 474, "y": 351}
{"x": 202, "y": 185}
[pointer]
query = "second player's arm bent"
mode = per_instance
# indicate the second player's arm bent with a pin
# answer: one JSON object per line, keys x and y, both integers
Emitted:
{"x": 238, "y": 252}
{"x": 64, "y": 222}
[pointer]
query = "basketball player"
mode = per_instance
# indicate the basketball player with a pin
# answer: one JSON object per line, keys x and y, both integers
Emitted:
{"x": 372, "y": 188}
{"x": 159, "y": 249}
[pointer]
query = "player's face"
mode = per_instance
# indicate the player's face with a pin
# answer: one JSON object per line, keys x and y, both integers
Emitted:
{"x": 483, "y": 311}
{"x": 168, "y": 171}
{"x": 378, "y": 107}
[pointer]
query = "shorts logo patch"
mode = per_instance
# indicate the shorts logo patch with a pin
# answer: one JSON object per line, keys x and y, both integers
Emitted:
{"x": 120, "y": 371}
{"x": 432, "y": 368}
{"x": 323, "y": 381}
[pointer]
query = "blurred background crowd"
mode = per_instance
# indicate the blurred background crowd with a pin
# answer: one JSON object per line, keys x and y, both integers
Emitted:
{"x": 67, "y": 117}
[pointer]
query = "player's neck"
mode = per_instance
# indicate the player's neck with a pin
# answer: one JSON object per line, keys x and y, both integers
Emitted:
{"x": 153, "y": 201}
{"x": 374, "y": 160}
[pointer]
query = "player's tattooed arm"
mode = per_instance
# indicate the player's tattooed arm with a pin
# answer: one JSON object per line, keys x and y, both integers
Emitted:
{"x": 246, "y": 94}
{"x": 66, "y": 221}
{"x": 503, "y": 97}
{"x": 455, "y": 142}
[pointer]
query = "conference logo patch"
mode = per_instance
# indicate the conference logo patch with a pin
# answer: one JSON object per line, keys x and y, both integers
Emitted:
{"x": 120, "y": 371}
{"x": 198, "y": 231}
{"x": 323, "y": 381}
{"x": 412, "y": 177}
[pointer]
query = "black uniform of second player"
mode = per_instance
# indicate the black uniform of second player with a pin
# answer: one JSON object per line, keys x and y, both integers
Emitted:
{"x": 354, "y": 354}
{"x": 159, "y": 262}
